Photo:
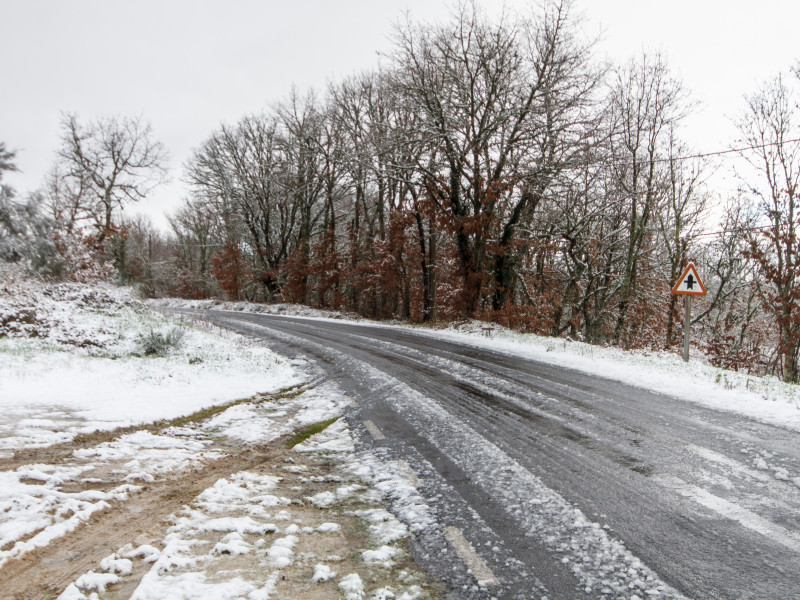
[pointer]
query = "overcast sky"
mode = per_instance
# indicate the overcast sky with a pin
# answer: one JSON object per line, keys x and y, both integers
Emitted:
{"x": 188, "y": 65}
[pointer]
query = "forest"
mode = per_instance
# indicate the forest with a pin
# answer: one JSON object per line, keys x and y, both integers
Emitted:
{"x": 492, "y": 169}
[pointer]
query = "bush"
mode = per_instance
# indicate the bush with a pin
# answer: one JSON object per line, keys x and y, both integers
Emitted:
{"x": 20, "y": 321}
{"x": 157, "y": 343}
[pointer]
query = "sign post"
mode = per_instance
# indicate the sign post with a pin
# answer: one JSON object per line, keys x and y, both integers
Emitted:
{"x": 689, "y": 284}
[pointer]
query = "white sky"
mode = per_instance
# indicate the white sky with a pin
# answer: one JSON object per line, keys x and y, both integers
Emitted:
{"x": 188, "y": 65}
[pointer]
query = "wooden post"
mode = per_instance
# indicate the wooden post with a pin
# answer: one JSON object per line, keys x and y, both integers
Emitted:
{"x": 687, "y": 324}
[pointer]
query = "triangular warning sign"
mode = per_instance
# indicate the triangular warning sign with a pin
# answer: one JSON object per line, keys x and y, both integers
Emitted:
{"x": 689, "y": 283}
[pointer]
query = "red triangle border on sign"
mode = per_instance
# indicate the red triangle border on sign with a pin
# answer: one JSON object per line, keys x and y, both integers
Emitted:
{"x": 690, "y": 268}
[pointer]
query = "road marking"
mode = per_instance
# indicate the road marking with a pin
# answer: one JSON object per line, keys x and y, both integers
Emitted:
{"x": 374, "y": 431}
{"x": 408, "y": 473}
{"x": 731, "y": 464}
{"x": 467, "y": 553}
{"x": 732, "y": 511}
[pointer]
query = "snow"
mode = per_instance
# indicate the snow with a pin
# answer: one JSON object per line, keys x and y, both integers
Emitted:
{"x": 766, "y": 399}
{"x": 330, "y": 440}
{"x": 147, "y": 454}
{"x": 323, "y": 499}
{"x": 146, "y": 552}
{"x": 352, "y": 587}
{"x": 392, "y": 479}
{"x": 322, "y": 573}
{"x": 271, "y": 309}
{"x": 33, "y": 514}
{"x": 115, "y": 564}
{"x": 232, "y": 544}
{"x": 85, "y": 370}
{"x": 383, "y": 526}
{"x": 190, "y": 586}
{"x": 96, "y": 581}
{"x": 280, "y": 553}
{"x": 383, "y": 556}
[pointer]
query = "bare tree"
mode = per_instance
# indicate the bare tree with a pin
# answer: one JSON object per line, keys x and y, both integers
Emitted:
{"x": 769, "y": 128}
{"x": 646, "y": 104}
{"x": 102, "y": 166}
{"x": 500, "y": 105}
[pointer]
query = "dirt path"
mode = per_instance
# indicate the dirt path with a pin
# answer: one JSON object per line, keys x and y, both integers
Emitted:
{"x": 312, "y": 507}
{"x": 44, "y": 573}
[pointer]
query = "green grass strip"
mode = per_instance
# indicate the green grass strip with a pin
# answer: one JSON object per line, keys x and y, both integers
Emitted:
{"x": 304, "y": 434}
{"x": 205, "y": 413}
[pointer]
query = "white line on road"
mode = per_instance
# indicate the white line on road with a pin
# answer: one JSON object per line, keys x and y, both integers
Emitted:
{"x": 732, "y": 511}
{"x": 374, "y": 431}
{"x": 407, "y": 472}
{"x": 731, "y": 464}
{"x": 467, "y": 553}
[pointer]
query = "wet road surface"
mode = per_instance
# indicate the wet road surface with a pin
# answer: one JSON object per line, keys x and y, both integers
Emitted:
{"x": 709, "y": 501}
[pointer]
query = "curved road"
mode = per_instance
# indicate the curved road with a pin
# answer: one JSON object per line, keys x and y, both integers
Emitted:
{"x": 565, "y": 485}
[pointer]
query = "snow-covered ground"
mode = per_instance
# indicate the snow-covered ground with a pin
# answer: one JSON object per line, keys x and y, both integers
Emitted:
{"x": 72, "y": 361}
{"x": 260, "y": 532}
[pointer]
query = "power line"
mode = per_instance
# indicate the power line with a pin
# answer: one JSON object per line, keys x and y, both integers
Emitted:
{"x": 729, "y": 151}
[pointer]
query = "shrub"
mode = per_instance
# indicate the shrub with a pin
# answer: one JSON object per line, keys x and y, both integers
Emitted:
{"x": 157, "y": 343}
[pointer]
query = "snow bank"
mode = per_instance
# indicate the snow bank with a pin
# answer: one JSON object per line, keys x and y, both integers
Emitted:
{"x": 766, "y": 399}
{"x": 71, "y": 361}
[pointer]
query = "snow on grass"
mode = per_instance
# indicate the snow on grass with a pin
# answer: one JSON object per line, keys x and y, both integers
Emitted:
{"x": 322, "y": 573}
{"x": 383, "y": 556}
{"x": 329, "y": 440}
{"x": 34, "y": 510}
{"x": 250, "y": 424}
{"x": 79, "y": 364}
{"x": 188, "y": 586}
{"x": 294, "y": 310}
{"x": 147, "y": 455}
{"x": 352, "y": 587}
{"x": 384, "y": 527}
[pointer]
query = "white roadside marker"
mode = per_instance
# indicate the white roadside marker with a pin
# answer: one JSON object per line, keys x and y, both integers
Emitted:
{"x": 467, "y": 553}
{"x": 374, "y": 431}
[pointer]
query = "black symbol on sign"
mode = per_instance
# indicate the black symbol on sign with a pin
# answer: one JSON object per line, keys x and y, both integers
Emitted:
{"x": 690, "y": 282}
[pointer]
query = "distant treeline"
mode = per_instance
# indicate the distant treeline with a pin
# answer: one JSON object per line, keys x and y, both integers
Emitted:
{"x": 490, "y": 169}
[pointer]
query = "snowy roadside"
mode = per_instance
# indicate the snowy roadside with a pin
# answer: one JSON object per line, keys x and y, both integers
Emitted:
{"x": 306, "y": 521}
{"x": 73, "y": 360}
{"x": 216, "y": 506}
{"x": 766, "y": 399}
{"x": 267, "y": 522}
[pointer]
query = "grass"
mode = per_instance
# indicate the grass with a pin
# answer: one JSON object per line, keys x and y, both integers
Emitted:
{"x": 98, "y": 437}
{"x": 302, "y": 435}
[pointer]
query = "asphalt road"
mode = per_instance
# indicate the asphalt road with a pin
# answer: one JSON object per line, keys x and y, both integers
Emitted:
{"x": 505, "y": 448}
